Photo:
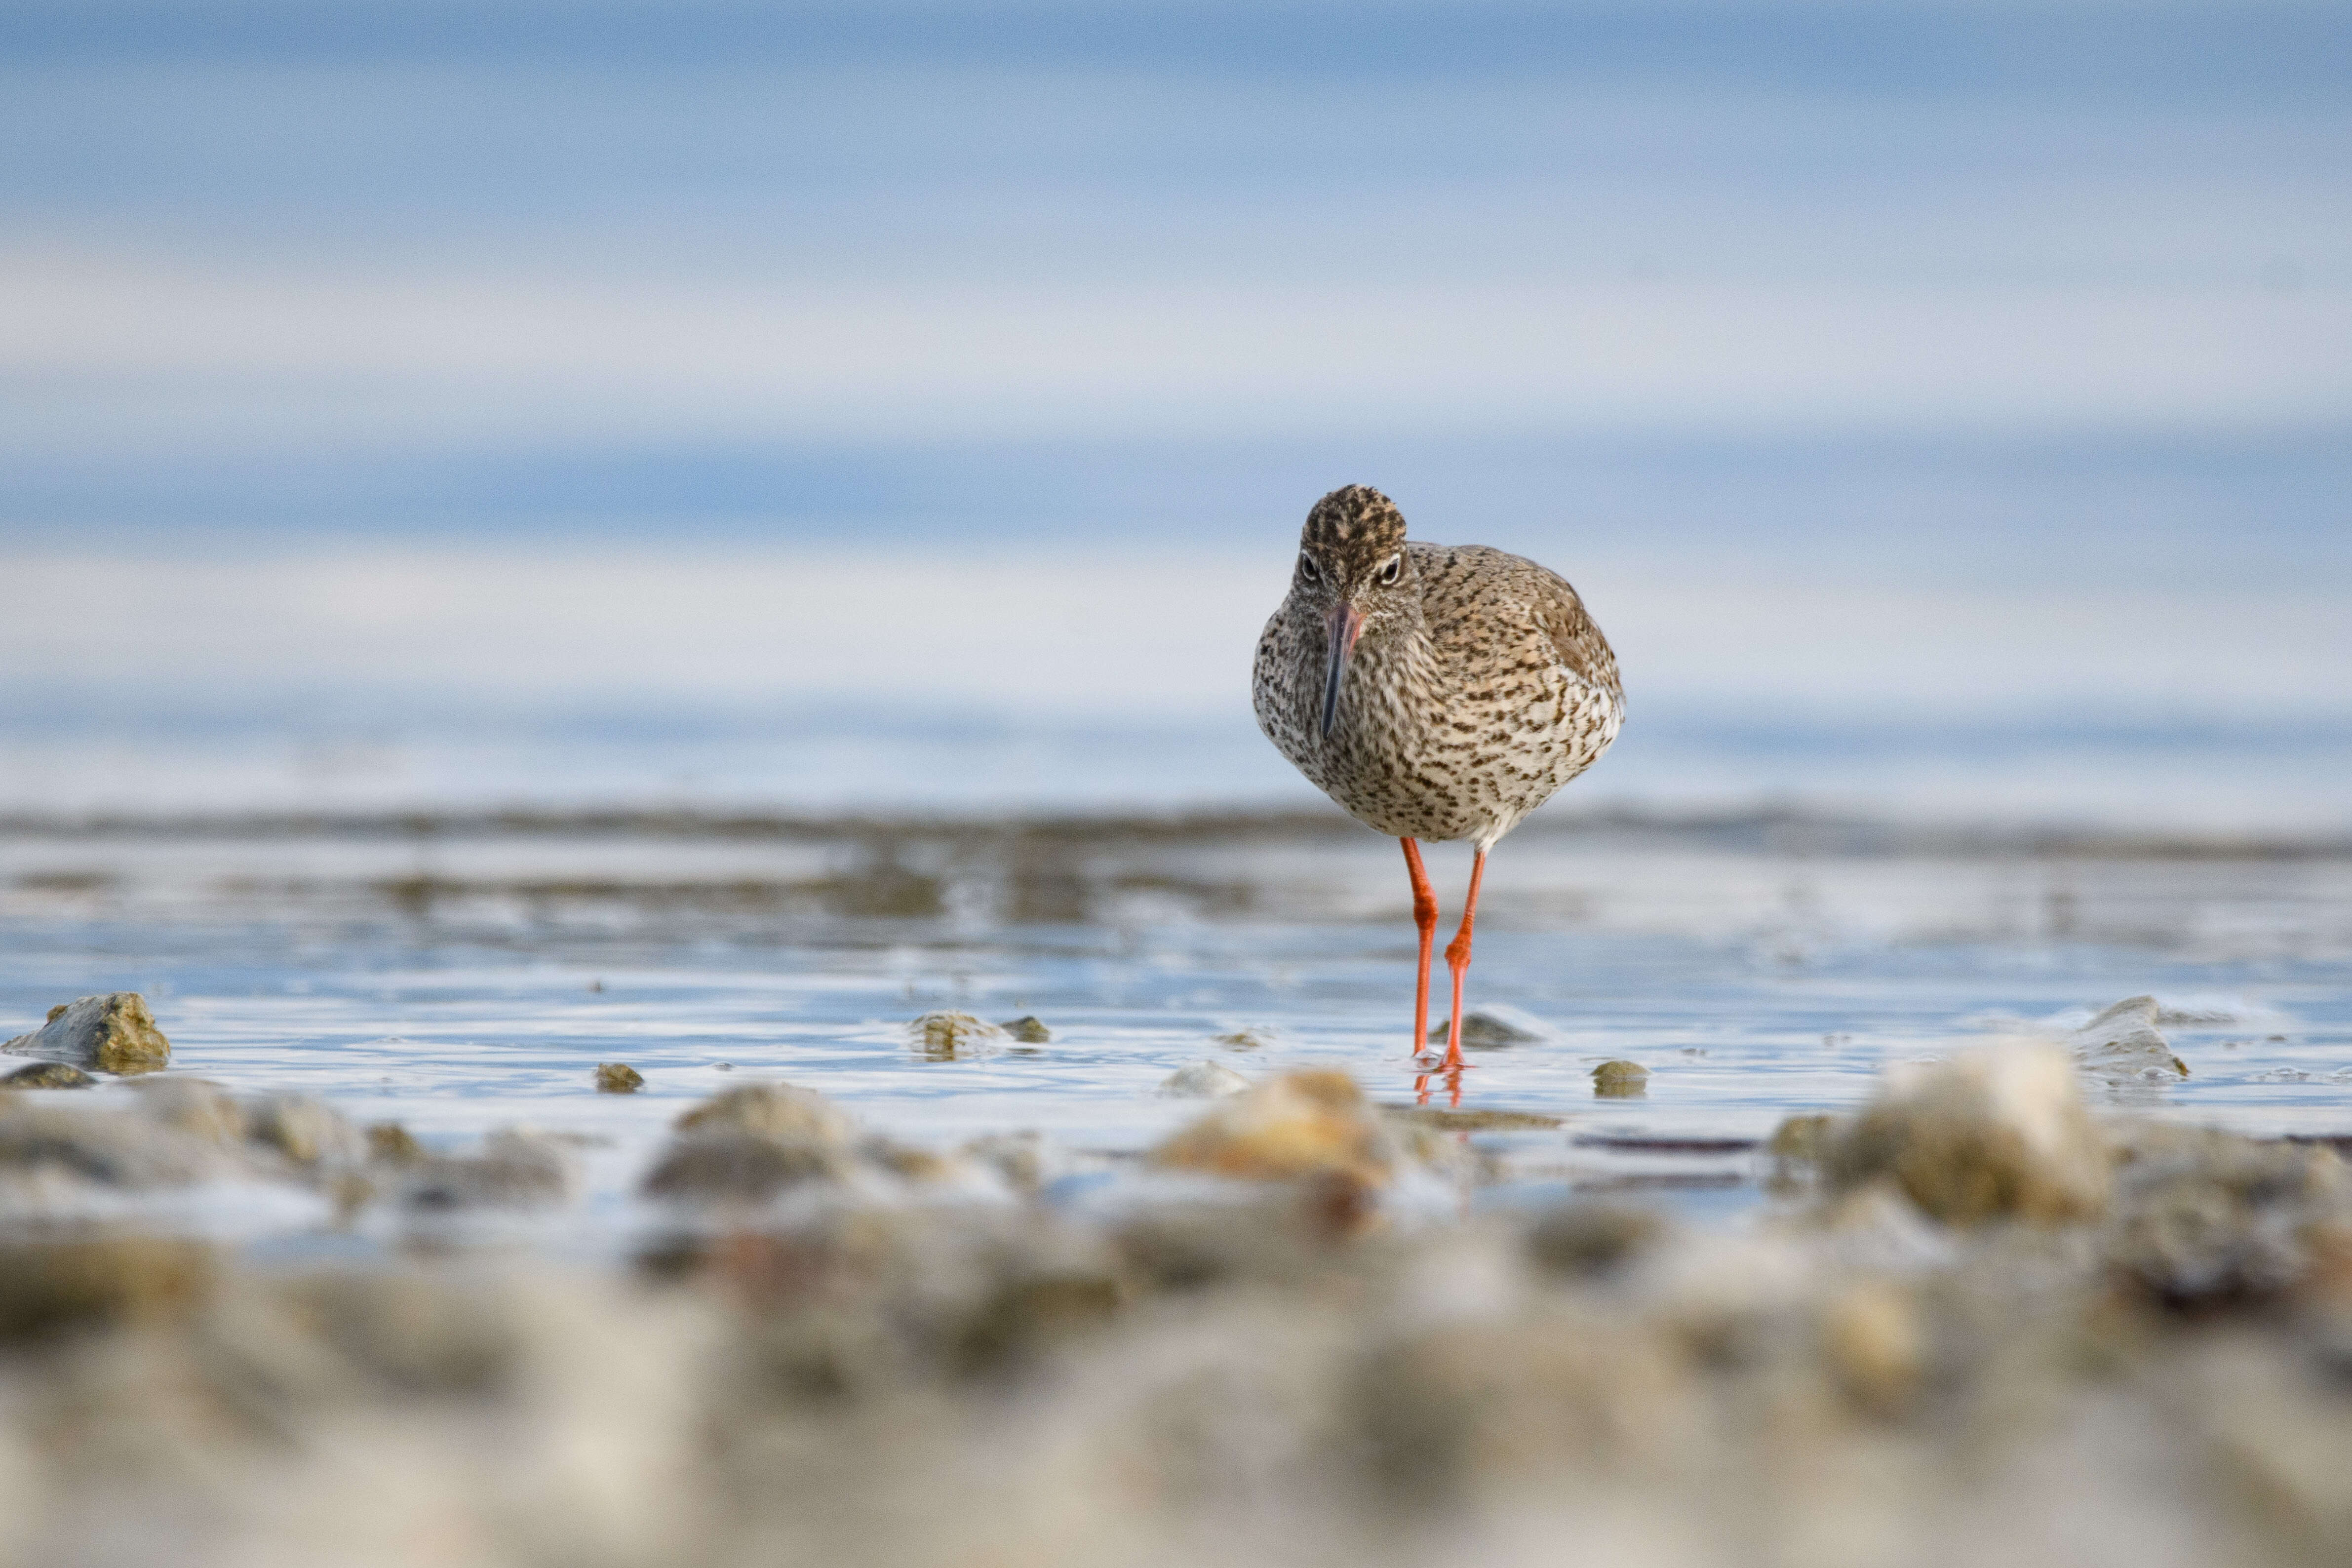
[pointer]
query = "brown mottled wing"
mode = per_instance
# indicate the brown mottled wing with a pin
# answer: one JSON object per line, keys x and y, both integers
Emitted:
{"x": 1465, "y": 584}
{"x": 1586, "y": 653}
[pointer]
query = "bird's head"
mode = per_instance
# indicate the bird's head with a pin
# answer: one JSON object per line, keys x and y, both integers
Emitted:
{"x": 1353, "y": 572}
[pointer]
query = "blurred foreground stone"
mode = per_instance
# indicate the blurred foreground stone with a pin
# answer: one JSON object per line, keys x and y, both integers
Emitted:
{"x": 1999, "y": 1133}
{"x": 1305, "y": 1123}
{"x": 1998, "y": 1332}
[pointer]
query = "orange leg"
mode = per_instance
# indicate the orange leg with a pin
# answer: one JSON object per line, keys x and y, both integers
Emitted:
{"x": 1457, "y": 959}
{"x": 1424, "y": 915}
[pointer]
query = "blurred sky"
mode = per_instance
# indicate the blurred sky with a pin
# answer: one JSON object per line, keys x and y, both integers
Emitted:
{"x": 377, "y": 366}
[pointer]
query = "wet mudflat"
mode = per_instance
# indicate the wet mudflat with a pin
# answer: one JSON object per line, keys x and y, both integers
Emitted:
{"x": 989, "y": 1285}
{"x": 461, "y": 976}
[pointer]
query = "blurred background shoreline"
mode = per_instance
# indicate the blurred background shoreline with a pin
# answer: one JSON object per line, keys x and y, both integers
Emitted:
{"x": 908, "y": 408}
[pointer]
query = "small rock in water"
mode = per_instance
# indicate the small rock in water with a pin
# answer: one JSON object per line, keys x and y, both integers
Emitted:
{"x": 1620, "y": 1081}
{"x": 114, "y": 1033}
{"x": 46, "y": 1075}
{"x": 952, "y": 1037}
{"x": 2000, "y": 1134}
{"x": 618, "y": 1078}
{"x": 1305, "y": 1123}
{"x": 1204, "y": 1080}
{"x": 1029, "y": 1029}
{"x": 2123, "y": 1045}
{"x": 1242, "y": 1040}
{"x": 1485, "y": 1032}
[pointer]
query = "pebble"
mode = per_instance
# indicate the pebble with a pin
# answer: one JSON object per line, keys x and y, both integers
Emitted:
{"x": 618, "y": 1078}
{"x": 1028, "y": 1029}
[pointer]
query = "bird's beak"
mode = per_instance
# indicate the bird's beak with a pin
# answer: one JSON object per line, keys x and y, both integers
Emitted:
{"x": 1342, "y": 627}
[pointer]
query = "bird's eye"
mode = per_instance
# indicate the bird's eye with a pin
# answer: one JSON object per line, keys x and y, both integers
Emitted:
{"x": 1307, "y": 569}
{"x": 1391, "y": 572}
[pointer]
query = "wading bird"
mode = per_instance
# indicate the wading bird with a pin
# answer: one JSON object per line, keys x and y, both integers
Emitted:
{"x": 1434, "y": 691}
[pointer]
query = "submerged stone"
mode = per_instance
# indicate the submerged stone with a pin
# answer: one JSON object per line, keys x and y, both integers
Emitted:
{"x": 1484, "y": 1032}
{"x": 1620, "y": 1081}
{"x": 952, "y": 1037}
{"x": 2123, "y": 1045}
{"x": 1028, "y": 1029}
{"x": 114, "y": 1033}
{"x": 618, "y": 1078}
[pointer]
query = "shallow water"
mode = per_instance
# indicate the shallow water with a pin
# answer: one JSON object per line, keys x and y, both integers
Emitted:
{"x": 460, "y": 977}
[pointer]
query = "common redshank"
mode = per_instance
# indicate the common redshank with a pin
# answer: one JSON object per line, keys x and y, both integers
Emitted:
{"x": 1435, "y": 692}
